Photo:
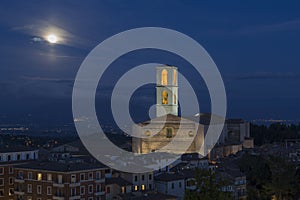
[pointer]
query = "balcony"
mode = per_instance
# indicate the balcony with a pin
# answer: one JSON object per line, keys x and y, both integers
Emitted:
{"x": 74, "y": 197}
{"x": 58, "y": 197}
{"x": 19, "y": 179}
{"x": 100, "y": 180}
{"x": 100, "y": 193}
{"x": 75, "y": 184}
{"x": 60, "y": 185}
{"x": 19, "y": 192}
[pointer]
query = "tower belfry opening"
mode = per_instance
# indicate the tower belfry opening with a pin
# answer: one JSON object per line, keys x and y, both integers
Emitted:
{"x": 166, "y": 90}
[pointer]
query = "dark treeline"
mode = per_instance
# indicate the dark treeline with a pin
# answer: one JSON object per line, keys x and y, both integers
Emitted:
{"x": 276, "y": 132}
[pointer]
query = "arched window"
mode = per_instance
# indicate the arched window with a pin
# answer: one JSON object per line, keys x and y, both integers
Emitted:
{"x": 164, "y": 77}
{"x": 169, "y": 133}
{"x": 175, "y": 100}
{"x": 164, "y": 95}
{"x": 175, "y": 77}
{"x": 148, "y": 133}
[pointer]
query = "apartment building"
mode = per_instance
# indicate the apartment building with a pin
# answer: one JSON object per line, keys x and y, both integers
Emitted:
{"x": 139, "y": 181}
{"x": 11, "y": 156}
{"x": 60, "y": 181}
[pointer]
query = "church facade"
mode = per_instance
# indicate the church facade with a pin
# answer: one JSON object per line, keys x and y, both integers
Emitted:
{"x": 157, "y": 135}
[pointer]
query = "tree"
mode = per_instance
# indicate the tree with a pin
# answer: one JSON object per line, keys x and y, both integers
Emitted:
{"x": 208, "y": 187}
{"x": 283, "y": 184}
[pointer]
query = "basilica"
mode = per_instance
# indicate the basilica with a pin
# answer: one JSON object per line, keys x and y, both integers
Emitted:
{"x": 157, "y": 134}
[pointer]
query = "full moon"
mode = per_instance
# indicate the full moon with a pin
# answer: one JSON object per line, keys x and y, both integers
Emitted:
{"x": 52, "y": 38}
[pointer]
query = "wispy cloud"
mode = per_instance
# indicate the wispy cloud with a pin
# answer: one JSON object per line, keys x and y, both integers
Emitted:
{"x": 37, "y": 39}
{"x": 48, "y": 79}
{"x": 60, "y": 56}
{"x": 40, "y": 29}
{"x": 280, "y": 26}
{"x": 263, "y": 75}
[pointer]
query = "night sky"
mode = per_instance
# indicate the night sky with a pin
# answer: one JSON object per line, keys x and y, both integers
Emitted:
{"x": 255, "y": 45}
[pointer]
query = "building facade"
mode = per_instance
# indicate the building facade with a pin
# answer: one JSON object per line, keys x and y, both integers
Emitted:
{"x": 10, "y": 157}
{"x": 59, "y": 181}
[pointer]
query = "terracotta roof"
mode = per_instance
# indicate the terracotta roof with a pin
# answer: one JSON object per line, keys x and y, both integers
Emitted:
{"x": 118, "y": 180}
{"x": 14, "y": 148}
{"x": 61, "y": 167}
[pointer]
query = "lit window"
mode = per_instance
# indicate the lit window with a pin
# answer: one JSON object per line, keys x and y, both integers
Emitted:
{"x": 59, "y": 179}
{"x": 39, "y": 176}
{"x": 123, "y": 189}
{"x": 148, "y": 133}
{"x": 143, "y": 187}
{"x": 175, "y": 77}
{"x": 11, "y": 192}
{"x": 49, "y": 177}
{"x": 164, "y": 95}
{"x": 73, "y": 178}
{"x": 164, "y": 77}
{"x": 135, "y": 188}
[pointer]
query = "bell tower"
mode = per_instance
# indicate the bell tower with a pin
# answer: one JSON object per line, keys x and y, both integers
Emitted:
{"x": 166, "y": 90}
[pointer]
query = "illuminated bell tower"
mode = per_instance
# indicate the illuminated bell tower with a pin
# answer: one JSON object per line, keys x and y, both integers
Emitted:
{"x": 166, "y": 90}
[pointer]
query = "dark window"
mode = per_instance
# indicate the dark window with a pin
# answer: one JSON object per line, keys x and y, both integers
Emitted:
{"x": 108, "y": 190}
{"x": 82, "y": 177}
{"x": 135, "y": 178}
{"x": 169, "y": 133}
{"x": 143, "y": 177}
{"x": 172, "y": 185}
{"x": 11, "y": 170}
{"x": 150, "y": 176}
{"x": 180, "y": 184}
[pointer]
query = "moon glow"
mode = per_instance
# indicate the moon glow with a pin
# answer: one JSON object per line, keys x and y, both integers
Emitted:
{"x": 52, "y": 38}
